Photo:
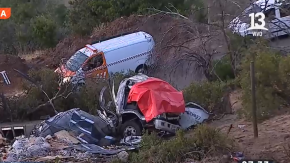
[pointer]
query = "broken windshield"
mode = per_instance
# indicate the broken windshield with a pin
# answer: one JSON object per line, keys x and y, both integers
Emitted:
{"x": 76, "y": 61}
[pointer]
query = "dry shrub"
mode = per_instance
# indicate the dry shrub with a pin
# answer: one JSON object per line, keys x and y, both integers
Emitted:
{"x": 210, "y": 139}
{"x": 87, "y": 98}
{"x": 208, "y": 94}
{"x": 204, "y": 141}
{"x": 272, "y": 81}
{"x": 33, "y": 95}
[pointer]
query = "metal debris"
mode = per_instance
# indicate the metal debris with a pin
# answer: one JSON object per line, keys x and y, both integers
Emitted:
{"x": 5, "y": 77}
{"x": 39, "y": 148}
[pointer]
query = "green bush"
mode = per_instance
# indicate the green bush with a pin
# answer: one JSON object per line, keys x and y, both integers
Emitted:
{"x": 99, "y": 11}
{"x": 44, "y": 29}
{"x": 203, "y": 140}
{"x": 284, "y": 73}
{"x": 88, "y": 97}
{"x": 8, "y": 38}
{"x": 206, "y": 94}
{"x": 210, "y": 139}
{"x": 34, "y": 24}
{"x": 224, "y": 69}
{"x": 272, "y": 90}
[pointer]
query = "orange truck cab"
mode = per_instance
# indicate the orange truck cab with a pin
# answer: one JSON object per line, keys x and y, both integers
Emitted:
{"x": 120, "y": 54}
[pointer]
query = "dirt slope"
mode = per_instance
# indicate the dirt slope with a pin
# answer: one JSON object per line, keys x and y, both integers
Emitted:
{"x": 274, "y": 135}
{"x": 8, "y": 63}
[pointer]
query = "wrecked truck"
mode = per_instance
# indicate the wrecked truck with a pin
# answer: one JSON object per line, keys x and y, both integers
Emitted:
{"x": 141, "y": 103}
{"x": 144, "y": 102}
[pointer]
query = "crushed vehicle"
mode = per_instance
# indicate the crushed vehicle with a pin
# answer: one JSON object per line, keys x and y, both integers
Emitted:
{"x": 119, "y": 54}
{"x": 85, "y": 127}
{"x": 141, "y": 103}
{"x": 277, "y": 19}
{"x": 144, "y": 102}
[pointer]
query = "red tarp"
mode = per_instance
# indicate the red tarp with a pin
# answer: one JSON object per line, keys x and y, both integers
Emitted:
{"x": 155, "y": 96}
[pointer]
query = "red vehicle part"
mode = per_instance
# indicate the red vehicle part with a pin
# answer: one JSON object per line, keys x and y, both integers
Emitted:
{"x": 155, "y": 97}
{"x": 64, "y": 72}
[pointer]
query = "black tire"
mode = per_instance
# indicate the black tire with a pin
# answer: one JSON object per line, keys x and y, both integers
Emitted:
{"x": 142, "y": 69}
{"x": 134, "y": 126}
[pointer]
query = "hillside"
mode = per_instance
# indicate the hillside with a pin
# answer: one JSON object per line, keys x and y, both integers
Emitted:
{"x": 194, "y": 51}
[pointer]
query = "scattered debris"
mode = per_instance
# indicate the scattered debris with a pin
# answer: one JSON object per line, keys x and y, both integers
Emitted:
{"x": 5, "y": 77}
{"x": 131, "y": 140}
{"x": 24, "y": 148}
{"x": 64, "y": 135}
{"x": 242, "y": 127}
{"x": 237, "y": 156}
{"x": 56, "y": 147}
{"x": 50, "y": 158}
{"x": 194, "y": 114}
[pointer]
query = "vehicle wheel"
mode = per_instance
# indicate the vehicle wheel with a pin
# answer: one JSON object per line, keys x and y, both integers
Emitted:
{"x": 142, "y": 69}
{"x": 131, "y": 128}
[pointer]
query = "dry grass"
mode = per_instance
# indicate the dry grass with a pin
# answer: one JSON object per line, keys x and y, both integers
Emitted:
{"x": 32, "y": 55}
{"x": 205, "y": 141}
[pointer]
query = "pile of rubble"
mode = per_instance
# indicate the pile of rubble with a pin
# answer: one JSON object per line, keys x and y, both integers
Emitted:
{"x": 62, "y": 145}
{"x": 58, "y": 138}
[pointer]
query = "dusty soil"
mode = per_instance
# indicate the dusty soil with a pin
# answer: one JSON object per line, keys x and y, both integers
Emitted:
{"x": 273, "y": 138}
{"x": 8, "y": 63}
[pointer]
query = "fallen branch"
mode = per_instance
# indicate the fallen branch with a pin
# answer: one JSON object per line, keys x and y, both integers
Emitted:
{"x": 60, "y": 94}
{"x": 165, "y": 12}
{"x": 38, "y": 86}
{"x": 230, "y": 128}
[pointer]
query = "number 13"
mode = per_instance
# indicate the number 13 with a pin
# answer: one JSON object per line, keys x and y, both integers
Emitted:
{"x": 261, "y": 20}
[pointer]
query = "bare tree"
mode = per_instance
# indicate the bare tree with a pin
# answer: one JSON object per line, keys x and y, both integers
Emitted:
{"x": 194, "y": 50}
{"x": 223, "y": 12}
{"x": 64, "y": 91}
{"x": 201, "y": 48}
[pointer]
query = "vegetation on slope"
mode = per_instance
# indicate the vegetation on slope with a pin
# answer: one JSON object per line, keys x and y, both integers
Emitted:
{"x": 38, "y": 24}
